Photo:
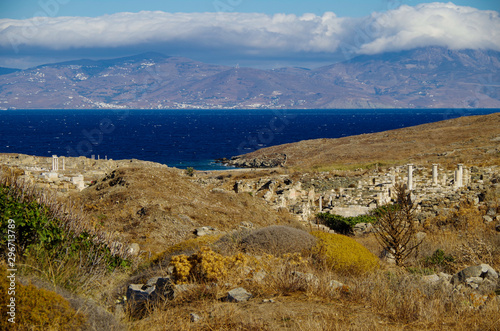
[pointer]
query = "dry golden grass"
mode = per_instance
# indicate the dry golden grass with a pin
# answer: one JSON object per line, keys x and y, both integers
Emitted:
{"x": 389, "y": 299}
{"x": 471, "y": 140}
{"x": 160, "y": 207}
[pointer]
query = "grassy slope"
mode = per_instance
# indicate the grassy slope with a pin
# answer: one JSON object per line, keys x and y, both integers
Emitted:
{"x": 158, "y": 207}
{"x": 471, "y": 140}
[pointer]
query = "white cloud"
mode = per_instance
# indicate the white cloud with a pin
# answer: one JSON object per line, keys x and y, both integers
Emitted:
{"x": 434, "y": 24}
{"x": 280, "y": 35}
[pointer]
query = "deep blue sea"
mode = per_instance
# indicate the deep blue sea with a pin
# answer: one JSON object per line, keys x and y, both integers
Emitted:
{"x": 192, "y": 138}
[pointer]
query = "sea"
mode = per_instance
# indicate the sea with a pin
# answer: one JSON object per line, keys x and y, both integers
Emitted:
{"x": 193, "y": 138}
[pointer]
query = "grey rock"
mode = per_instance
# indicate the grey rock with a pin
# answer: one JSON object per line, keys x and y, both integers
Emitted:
{"x": 133, "y": 249}
{"x": 481, "y": 277}
{"x": 431, "y": 279}
{"x": 163, "y": 288}
{"x": 474, "y": 280}
{"x": 363, "y": 228}
{"x": 204, "y": 230}
{"x": 238, "y": 295}
{"x": 195, "y": 317}
{"x": 445, "y": 276}
{"x": 487, "y": 219}
{"x": 138, "y": 293}
{"x": 491, "y": 212}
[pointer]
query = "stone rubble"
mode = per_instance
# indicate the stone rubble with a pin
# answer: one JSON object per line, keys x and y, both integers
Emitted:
{"x": 433, "y": 190}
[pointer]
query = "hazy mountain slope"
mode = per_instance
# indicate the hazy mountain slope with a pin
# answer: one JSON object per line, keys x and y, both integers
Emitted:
{"x": 430, "y": 77}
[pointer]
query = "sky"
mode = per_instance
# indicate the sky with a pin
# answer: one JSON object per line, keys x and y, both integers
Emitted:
{"x": 257, "y": 33}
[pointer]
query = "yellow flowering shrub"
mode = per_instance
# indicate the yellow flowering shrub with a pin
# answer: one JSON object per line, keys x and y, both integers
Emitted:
{"x": 208, "y": 265}
{"x": 37, "y": 309}
{"x": 343, "y": 253}
{"x": 182, "y": 268}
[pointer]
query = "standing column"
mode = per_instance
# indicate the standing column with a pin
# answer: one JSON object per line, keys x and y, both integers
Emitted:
{"x": 434, "y": 174}
{"x": 410, "y": 177}
{"x": 55, "y": 163}
{"x": 320, "y": 203}
{"x": 63, "y": 163}
{"x": 460, "y": 175}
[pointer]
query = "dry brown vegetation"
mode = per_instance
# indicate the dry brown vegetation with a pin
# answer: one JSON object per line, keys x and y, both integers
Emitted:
{"x": 472, "y": 140}
{"x": 159, "y": 207}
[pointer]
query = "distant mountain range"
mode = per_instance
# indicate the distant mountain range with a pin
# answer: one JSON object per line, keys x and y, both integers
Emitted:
{"x": 431, "y": 77}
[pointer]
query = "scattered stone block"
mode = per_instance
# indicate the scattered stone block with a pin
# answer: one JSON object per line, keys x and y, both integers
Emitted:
{"x": 238, "y": 295}
{"x": 204, "y": 230}
{"x": 137, "y": 293}
{"x": 487, "y": 219}
{"x": 481, "y": 277}
{"x": 431, "y": 279}
{"x": 133, "y": 249}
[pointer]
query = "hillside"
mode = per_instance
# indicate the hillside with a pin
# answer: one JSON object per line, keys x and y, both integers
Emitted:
{"x": 471, "y": 140}
{"x": 431, "y": 77}
{"x": 157, "y": 206}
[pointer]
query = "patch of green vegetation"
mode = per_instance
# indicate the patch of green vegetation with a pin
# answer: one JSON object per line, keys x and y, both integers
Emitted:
{"x": 439, "y": 260}
{"x": 190, "y": 171}
{"x": 420, "y": 271}
{"x": 341, "y": 224}
{"x": 45, "y": 243}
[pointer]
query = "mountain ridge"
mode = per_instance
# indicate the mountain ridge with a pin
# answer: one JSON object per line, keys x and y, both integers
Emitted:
{"x": 431, "y": 77}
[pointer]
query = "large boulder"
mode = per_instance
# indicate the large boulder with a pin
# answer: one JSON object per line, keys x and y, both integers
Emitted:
{"x": 481, "y": 277}
{"x": 155, "y": 288}
{"x": 277, "y": 240}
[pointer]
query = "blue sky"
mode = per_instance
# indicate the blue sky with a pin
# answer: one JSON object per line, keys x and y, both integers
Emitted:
{"x": 258, "y": 33}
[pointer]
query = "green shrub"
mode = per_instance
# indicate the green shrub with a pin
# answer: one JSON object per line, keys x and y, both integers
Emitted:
{"x": 45, "y": 243}
{"x": 190, "y": 171}
{"x": 342, "y": 253}
{"x": 341, "y": 224}
{"x": 440, "y": 261}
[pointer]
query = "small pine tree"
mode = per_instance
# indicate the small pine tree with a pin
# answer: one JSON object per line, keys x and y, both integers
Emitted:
{"x": 395, "y": 227}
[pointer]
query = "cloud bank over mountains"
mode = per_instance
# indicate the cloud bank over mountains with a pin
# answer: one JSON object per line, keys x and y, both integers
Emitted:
{"x": 232, "y": 36}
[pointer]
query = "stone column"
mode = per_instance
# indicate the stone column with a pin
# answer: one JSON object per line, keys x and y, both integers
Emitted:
{"x": 434, "y": 174}
{"x": 320, "y": 203}
{"x": 55, "y": 163}
{"x": 460, "y": 175}
{"x": 410, "y": 177}
{"x": 63, "y": 163}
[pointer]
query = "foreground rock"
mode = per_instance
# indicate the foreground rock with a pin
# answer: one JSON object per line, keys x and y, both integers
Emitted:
{"x": 481, "y": 277}
{"x": 238, "y": 295}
